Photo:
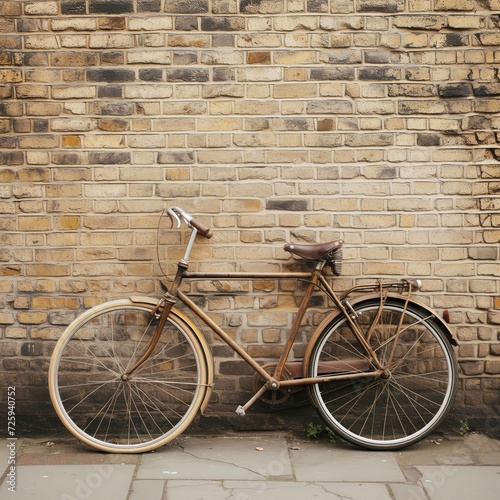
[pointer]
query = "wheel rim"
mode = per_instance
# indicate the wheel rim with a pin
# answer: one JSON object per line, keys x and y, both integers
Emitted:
{"x": 105, "y": 407}
{"x": 397, "y": 409}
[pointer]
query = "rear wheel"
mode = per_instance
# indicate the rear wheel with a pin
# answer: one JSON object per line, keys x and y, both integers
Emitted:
{"x": 409, "y": 400}
{"x": 112, "y": 411}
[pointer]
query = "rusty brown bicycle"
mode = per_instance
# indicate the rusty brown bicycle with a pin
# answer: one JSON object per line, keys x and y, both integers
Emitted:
{"x": 130, "y": 375}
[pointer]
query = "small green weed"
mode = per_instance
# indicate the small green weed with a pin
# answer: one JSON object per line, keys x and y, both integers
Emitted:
{"x": 313, "y": 431}
{"x": 318, "y": 431}
{"x": 464, "y": 428}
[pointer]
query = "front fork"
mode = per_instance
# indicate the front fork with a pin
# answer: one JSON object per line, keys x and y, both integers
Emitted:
{"x": 161, "y": 312}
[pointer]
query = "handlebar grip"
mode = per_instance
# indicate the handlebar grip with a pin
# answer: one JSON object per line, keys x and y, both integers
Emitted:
{"x": 203, "y": 230}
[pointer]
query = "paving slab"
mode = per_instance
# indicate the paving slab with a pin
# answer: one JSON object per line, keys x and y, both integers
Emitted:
{"x": 249, "y": 458}
{"x": 70, "y": 482}
{"x": 331, "y": 463}
{"x": 460, "y": 482}
{"x": 147, "y": 490}
{"x": 475, "y": 449}
{"x": 273, "y": 490}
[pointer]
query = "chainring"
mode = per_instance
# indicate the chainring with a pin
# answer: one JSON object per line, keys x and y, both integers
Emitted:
{"x": 273, "y": 397}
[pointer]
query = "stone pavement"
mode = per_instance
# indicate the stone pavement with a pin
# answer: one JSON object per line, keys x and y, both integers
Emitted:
{"x": 269, "y": 466}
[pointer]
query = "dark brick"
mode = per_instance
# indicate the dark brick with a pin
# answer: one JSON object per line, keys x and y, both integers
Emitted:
{"x": 453, "y": 40}
{"x": 106, "y": 158}
{"x": 31, "y": 349}
{"x": 111, "y": 7}
{"x": 176, "y": 158}
{"x": 428, "y": 140}
{"x": 29, "y": 25}
{"x": 236, "y": 367}
{"x": 387, "y": 6}
{"x": 11, "y": 158}
{"x": 112, "y": 23}
{"x": 116, "y": 108}
{"x": 59, "y": 158}
{"x": 186, "y": 23}
{"x": 8, "y": 142}
{"x": 109, "y": 91}
{"x": 73, "y": 7}
{"x": 261, "y": 6}
{"x": 187, "y": 7}
{"x": 222, "y": 23}
{"x": 21, "y": 125}
{"x": 148, "y": 5}
{"x": 11, "y": 109}
{"x": 112, "y": 58}
{"x": 487, "y": 89}
{"x": 40, "y": 125}
{"x": 151, "y": 75}
{"x": 317, "y": 5}
{"x": 476, "y": 122}
{"x": 110, "y": 75}
{"x": 379, "y": 74}
{"x": 377, "y": 57}
{"x": 455, "y": 90}
{"x": 187, "y": 75}
{"x": 224, "y": 75}
{"x": 333, "y": 74}
{"x": 288, "y": 205}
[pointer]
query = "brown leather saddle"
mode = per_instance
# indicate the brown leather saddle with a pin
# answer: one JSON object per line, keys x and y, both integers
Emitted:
{"x": 316, "y": 251}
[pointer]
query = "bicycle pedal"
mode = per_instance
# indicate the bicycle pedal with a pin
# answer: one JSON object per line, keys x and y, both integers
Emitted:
{"x": 240, "y": 411}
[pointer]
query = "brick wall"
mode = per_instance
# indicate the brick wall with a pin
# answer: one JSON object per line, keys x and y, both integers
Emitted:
{"x": 273, "y": 120}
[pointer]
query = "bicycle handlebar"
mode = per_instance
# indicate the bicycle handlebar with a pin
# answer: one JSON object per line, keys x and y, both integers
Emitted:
{"x": 177, "y": 214}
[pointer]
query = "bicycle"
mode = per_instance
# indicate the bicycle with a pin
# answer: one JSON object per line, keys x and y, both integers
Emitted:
{"x": 130, "y": 375}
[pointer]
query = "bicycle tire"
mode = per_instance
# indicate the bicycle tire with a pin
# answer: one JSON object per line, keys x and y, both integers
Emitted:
{"x": 385, "y": 413}
{"x": 153, "y": 405}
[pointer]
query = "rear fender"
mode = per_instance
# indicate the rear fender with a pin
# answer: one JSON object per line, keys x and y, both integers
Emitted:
{"x": 187, "y": 323}
{"x": 363, "y": 298}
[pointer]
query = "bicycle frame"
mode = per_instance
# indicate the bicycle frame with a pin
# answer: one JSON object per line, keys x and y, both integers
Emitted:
{"x": 315, "y": 280}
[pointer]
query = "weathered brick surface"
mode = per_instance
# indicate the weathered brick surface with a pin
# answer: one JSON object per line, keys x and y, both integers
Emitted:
{"x": 374, "y": 121}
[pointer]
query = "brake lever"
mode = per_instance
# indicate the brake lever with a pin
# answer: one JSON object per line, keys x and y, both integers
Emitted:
{"x": 174, "y": 217}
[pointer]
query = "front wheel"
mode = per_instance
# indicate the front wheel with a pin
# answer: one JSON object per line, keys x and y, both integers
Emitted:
{"x": 405, "y": 403}
{"x": 111, "y": 410}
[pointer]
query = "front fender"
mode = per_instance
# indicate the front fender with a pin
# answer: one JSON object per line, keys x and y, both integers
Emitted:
{"x": 357, "y": 300}
{"x": 188, "y": 324}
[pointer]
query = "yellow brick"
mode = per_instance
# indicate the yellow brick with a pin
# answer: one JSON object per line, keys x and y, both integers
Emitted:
{"x": 42, "y": 302}
{"x": 35, "y": 223}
